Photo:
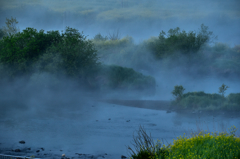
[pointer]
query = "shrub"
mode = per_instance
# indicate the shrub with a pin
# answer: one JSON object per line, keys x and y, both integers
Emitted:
{"x": 79, "y": 58}
{"x": 176, "y": 41}
{"x": 21, "y": 50}
{"x": 122, "y": 78}
{"x": 99, "y": 37}
{"x": 201, "y": 101}
{"x": 234, "y": 98}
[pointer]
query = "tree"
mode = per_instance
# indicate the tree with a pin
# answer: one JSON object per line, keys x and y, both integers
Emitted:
{"x": 78, "y": 54}
{"x": 178, "y": 92}
{"x": 10, "y": 28}
{"x": 21, "y": 50}
{"x": 222, "y": 89}
{"x": 177, "y": 41}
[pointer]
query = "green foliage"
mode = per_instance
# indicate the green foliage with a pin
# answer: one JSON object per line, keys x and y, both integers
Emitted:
{"x": 206, "y": 61}
{"x": 222, "y": 89}
{"x": 69, "y": 54}
{"x": 213, "y": 96}
{"x": 49, "y": 62}
{"x": 199, "y": 102}
{"x": 176, "y": 41}
{"x": 20, "y": 51}
{"x": 122, "y": 78}
{"x": 78, "y": 55}
{"x": 234, "y": 98}
{"x": 124, "y": 53}
{"x": 233, "y": 102}
{"x": 2, "y": 33}
{"x": 206, "y": 101}
{"x": 178, "y": 92}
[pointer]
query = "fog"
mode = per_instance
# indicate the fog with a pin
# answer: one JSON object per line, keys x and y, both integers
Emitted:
{"x": 150, "y": 17}
{"x": 77, "y": 121}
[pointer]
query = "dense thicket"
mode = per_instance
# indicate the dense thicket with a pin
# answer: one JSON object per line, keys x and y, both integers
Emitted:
{"x": 190, "y": 52}
{"x": 177, "y": 41}
{"x": 126, "y": 78}
{"x": 68, "y": 54}
{"x": 22, "y": 50}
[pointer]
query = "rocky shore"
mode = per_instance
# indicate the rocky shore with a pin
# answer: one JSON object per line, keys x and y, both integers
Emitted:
{"x": 22, "y": 152}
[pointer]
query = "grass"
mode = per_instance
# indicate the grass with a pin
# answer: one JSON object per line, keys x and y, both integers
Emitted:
{"x": 201, "y": 145}
{"x": 109, "y": 10}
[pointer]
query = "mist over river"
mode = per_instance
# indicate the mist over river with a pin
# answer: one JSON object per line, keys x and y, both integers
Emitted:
{"x": 97, "y": 128}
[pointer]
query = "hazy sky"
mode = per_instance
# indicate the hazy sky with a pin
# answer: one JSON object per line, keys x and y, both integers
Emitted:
{"x": 138, "y": 18}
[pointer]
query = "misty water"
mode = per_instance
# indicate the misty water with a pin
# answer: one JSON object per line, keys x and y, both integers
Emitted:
{"x": 80, "y": 125}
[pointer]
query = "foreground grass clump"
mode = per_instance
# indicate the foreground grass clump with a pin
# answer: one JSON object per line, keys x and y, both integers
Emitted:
{"x": 203, "y": 145}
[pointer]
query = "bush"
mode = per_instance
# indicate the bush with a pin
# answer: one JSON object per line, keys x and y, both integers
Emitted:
{"x": 70, "y": 51}
{"x": 99, "y": 37}
{"x": 176, "y": 41}
{"x": 21, "y": 50}
{"x": 234, "y": 98}
{"x": 205, "y": 101}
{"x": 79, "y": 58}
{"x": 122, "y": 78}
{"x": 200, "y": 101}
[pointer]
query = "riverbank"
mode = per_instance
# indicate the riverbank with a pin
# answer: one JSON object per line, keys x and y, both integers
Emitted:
{"x": 166, "y": 106}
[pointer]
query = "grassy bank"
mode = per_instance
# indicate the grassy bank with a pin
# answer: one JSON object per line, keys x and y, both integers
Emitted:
{"x": 201, "y": 101}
